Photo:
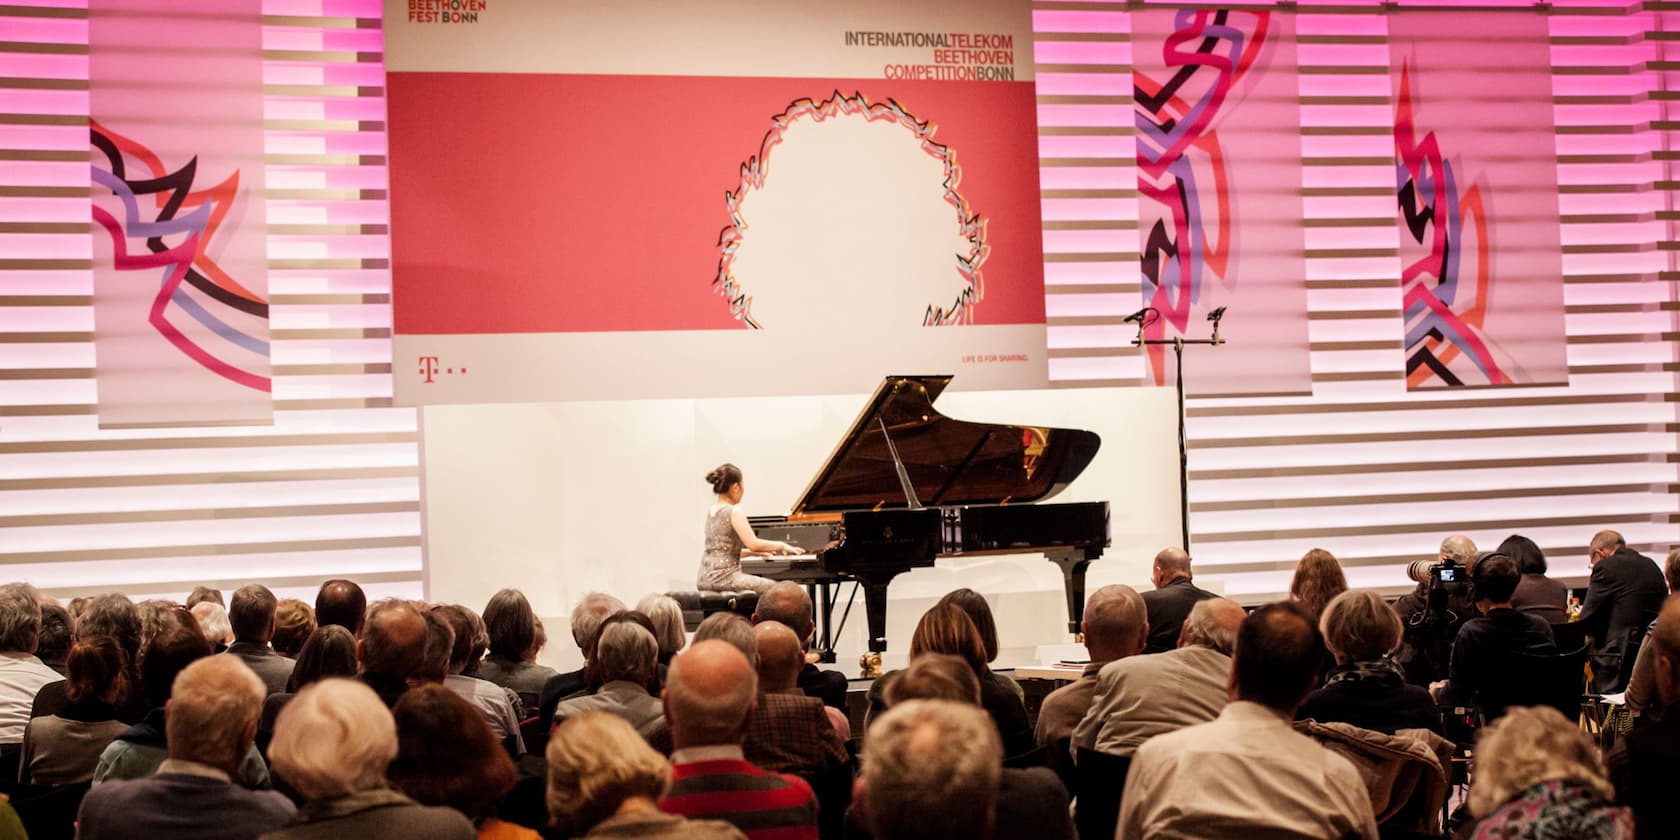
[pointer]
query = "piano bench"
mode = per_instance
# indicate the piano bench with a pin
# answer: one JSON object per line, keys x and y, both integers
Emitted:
{"x": 697, "y": 605}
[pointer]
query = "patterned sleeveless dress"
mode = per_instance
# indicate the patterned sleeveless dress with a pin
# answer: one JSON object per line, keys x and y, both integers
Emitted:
{"x": 720, "y": 566}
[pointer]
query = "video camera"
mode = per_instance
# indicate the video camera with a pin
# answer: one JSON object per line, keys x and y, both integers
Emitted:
{"x": 1438, "y": 572}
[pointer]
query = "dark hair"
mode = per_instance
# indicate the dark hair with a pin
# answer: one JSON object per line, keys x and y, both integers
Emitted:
{"x": 723, "y": 478}
{"x": 95, "y": 670}
{"x": 1277, "y": 656}
{"x": 511, "y": 625}
{"x": 200, "y": 594}
{"x": 446, "y": 753}
{"x": 53, "y": 645}
{"x": 1494, "y": 578}
{"x": 168, "y": 654}
{"x": 115, "y": 617}
{"x": 1529, "y": 558}
{"x": 463, "y": 623}
{"x": 294, "y": 621}
{"x": 341, "y": 602}
{"x": 947, "y": 629}
{"x": 440, "y": 641}
{"x": 980, "y": 612}
{"x": 330, "y": 651}
{"x": 251, "y": 613}
{"x": 394, "y": 640}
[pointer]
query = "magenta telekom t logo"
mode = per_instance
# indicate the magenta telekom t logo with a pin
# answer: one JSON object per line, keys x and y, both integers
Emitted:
{"x": 428, "y": 367}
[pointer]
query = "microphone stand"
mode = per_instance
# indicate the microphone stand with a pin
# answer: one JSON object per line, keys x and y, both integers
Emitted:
{"x": 1177, "y": 343}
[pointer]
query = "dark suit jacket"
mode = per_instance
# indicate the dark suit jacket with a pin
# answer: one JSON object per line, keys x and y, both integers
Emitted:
{"x": 1032, "y": 803}
{"x": 1483, "y": 641}
{"x": 1645, "y": 768}
{"x": 1167, "y": 608}
{"x": 827, "y": 686}
{"x": 1624, "y": 594}
{"x": 1542, "y": 596}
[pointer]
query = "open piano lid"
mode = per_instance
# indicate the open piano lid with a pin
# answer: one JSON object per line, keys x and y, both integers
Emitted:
{"x": 948, "y": 462}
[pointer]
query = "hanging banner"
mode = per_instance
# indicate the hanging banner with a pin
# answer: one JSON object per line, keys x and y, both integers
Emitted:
{"x": 180, "y": 255}
{"x": 1219, "y": 195}
{"x": 1475, "y": 150}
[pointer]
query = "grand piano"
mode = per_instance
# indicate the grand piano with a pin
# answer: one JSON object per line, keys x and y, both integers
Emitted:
{"x": 907, "y": 485}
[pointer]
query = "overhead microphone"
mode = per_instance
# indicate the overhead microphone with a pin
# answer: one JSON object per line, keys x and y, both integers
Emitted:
{"x": 1137, "y": 317}
{"x": 1216, "y": 314}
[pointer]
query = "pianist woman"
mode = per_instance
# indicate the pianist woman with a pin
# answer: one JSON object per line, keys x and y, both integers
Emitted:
{"x": 729, "y": 536}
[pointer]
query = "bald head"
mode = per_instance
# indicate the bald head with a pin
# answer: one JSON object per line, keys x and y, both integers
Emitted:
{"x": 1666, "y": 638}
{"x": 709, "y": 693}
{"x": 393, "y": 641}
{"x": 1170, "y": 565}
{"x": 780, "y": 656}
{"x": 1460, "y": 549}
{"x": 1213, "y": 624}
{"x": 1116, "y": 623}
{"x": 787, "y": 602}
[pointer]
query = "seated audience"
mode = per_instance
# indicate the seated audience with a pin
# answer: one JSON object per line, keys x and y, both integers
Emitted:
{"x": 111, "y": 617}
{"x": 1536, "y": 593}
{"x": 63, "y": 748}
{"x": 341, "y": 602}
{"x": 1646, "y": 764}
{"x": 157, "y": 616}
{"x": 586, "y": 622}
{"x": 1426, "y": 644}
{"x": 604, "y": 781}
{"x": 1140, "y": 697}
{"x": 1499, "y": 631}
{"x": 1366, "y": 688}
{"x": 730, "y": 628}
{"x": 946, "y": 628}
{"x": 1537, "y": 775}
{"x": 201, "y": 594}
{"x": 212, "y": 717}
{"x": 21, "y": 674}
{"x": 708, "y": 702}
{"x": 1248, "y": 773}
{"x": 1624, "y": 592}
{"x": 294, "y": 621}
{"x": 668, "y": 630}
{"x": 440, "y": 643}
{"x": 213, "y": 621}
{"x": 1115, "y": 627}
{"x": 447, "y": 756}
{"x": 789, "y": 603}
{"x": 332, "y": 745}
{"x": 931, "y": 772}
{"x": 980, "y": 613}
{"x": 1318, "y": 578}
{"x": 1641, "y": 698}
{"x": 489, "y": 699}
{"x": 329, "y": 652}
{"x": 57, "y": 631}
{"x": 392, "y": 648}
{"x": 1169, "y": 603}
{"x": 516, "y": 637}
{"x": 251, "y": 615}
{"x": 625, "y": 654}
{"x": 1031, "y": 802}
{"x": 788, "y": 732}
{"x": 140, "y": 749}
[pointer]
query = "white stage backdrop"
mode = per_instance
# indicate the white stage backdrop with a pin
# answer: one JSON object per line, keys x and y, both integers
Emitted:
{"x": 560, "y": 499}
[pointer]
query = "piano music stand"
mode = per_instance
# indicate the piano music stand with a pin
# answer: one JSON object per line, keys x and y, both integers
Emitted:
{"x": 1177, "y": 343}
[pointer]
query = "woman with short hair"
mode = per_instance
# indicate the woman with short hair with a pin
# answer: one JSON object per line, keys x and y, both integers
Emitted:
{"x": 294, "y": 622}
{"x": 330, "y": 651}
{"x": 1367, "y": 688}
{"x": 447, "y": 755}
{"x": 605, "y": 781}
{"x": 1537, "y": 775}
{"x": 516, "y": 637}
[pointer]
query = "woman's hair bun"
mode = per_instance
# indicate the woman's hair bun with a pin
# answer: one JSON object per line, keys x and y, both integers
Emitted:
{"x": 722, "y": 477}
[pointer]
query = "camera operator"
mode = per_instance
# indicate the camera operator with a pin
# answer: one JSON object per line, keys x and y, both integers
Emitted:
{"x": 1433, "y": 613}
{"x": 1497, "y": 632}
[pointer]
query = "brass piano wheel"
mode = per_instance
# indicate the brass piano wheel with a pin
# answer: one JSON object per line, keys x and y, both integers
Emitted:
{"x": 871, "y": 664}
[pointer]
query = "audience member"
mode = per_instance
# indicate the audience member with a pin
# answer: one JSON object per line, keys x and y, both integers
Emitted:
{"x": 201, "y": 594}
{"x": 730, "y": 628}
{"x": 332, "y": 745}
{"x": 63, "y": 748}
{"x": 789, "y": 603}
{"x": 1429, "y": 630}
{"x": 489, "y": 699}
{"x": 212, "y": 716}
{"x": 1248, "y": 772}
{"x": 213, "y": 621}
{"x": 1624, "y": 592}
{"x": 708, "y": 702}
{"x": 1646, "y": 765}
{"x": 1485, "y": 640}
{"x": 329, "y": 652}
{"x": 251, "y": 615}
{"x": 1537, "y": 775}
{"x": 604, "y": 781}
{"x": 440, "y": 644}
{"x": 448, "y": 756}
{"x": 1366, "y": 688}
{"x": 514, "y": 633}
{"x": 1140, "y": 697}
{"x": 586, "y": 623}
{"x": 980, "y": 613}
{"x": 392, "y": 648}
{"x": 1169, "y": 603}
{"x": 341, "y": 602}
{"x": 76, "y": 606}
{"x": 294, "y": 621}
{"x": 1318, "y": 578}
{"x": 1641, "y": 697}
{"x": 931, "y": 772}
{"x": 1031, "y": 802}
{"x": 57, "y": 631}
{"x": 946, "y": 628}
{"x": 155, "y": 617}
{"x": 668, "y": 631}
{"x": 788, "y": 732}
{"x": 112, "y": 617}
{"x": 21, "y": 674}
{"x": 1535, "y": 593}
{"x": 625, "y": 654}
{"x": 1115, "y": 627}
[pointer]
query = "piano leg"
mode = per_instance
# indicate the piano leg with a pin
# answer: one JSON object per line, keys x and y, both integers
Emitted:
{"x": 1073, "y": 565}
{"x": 822, "y": 597}
{"x": 875, "y": 608}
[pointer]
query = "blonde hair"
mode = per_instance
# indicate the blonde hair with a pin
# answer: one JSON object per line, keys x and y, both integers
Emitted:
{"x": 596, "y": 762}
{"x": 335, "y": 737}
{"x": 1359, "y": 625}
{"x": 666, "y": 615}
{"x": 1527, "y": 747}
{"x": 213, "y": 622}
{"x": 213, "y": 711}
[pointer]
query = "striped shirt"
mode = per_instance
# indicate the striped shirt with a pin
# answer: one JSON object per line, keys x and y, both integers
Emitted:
{"x": 763, "y": 805}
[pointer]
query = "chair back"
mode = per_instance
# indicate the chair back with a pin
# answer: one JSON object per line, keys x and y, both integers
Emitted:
{"x": 1526, "y": 679}
{"x": 48, "y": 812}
{"x": 833, "y": 789}
{"x": 1099, "y": 785}
{"x": 1569, "y": 635}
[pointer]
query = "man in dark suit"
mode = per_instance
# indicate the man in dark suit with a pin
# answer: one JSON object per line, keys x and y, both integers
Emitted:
{"x": 788, "y": 603}
{"x": 1623, "y": 595}
{"x": 251, "y": 612}
{"x": 1645, "y": 767}
{"x": 1170, "y": 602}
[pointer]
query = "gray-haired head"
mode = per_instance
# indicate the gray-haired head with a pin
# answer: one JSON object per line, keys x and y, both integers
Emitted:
{"x": 1213, "y": 624}
{"x": 1460, "y": 549}
{"x": 20, "y": 618}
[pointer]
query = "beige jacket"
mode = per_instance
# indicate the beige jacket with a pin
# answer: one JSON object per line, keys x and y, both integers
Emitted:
{"x": 1406, "y": 773}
